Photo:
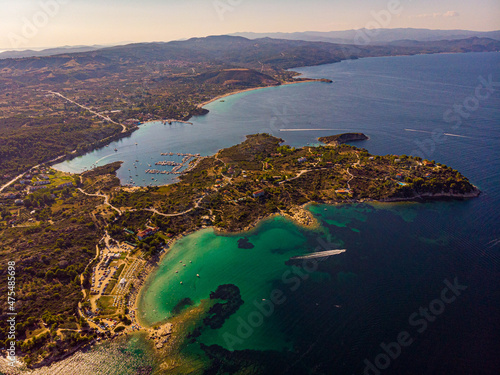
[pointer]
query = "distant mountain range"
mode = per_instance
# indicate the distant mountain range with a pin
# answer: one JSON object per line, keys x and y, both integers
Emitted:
{"x": 393, "y": 37}
{"x": 264, "y": 55}
{"x": 377, "y": 36}
{"x": 48, "y": 51}
{"x": 242, "y": 52}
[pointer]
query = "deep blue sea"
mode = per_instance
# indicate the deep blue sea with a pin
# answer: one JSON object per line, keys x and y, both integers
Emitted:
{"x": 424, "y": 274}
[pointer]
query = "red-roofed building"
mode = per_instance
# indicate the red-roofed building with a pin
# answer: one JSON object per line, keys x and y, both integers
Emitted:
{"x": 146, "y": 233}
{"x": 258, "y": 193}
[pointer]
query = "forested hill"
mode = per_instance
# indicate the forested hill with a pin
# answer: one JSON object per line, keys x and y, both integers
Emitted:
{"x": 240, "y": 51}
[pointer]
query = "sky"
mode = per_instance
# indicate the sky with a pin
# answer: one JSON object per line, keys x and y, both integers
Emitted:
{"x": 49, "y": 23}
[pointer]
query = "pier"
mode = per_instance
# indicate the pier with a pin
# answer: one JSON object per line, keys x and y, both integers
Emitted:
{"x": 170, "y": 121}
{"x": 179, "y": 154}
{"x": 177, "y": 166}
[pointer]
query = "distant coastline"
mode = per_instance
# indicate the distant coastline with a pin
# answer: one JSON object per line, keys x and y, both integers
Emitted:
{"x": 201, "y": 105}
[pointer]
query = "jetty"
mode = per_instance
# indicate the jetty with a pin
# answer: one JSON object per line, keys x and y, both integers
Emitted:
{"x": 179, "y": 154}
{"x": 170, "y": 121}
{"x": 320, "y": 254}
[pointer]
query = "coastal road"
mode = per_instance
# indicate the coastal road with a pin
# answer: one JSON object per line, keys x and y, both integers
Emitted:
{"x": 107, "y": 118}
{"x": 22, "y": 174}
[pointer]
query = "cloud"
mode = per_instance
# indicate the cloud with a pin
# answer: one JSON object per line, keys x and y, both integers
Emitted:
{"x": 450, "y": 13}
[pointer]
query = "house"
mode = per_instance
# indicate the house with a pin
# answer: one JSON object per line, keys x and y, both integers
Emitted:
{"x": 371, "y": 158}
{"x": 66, "y": 184}
{"x": 302, "y": 159}
{"x": 427, "y": 163}
{"x": 258, "y": 193}
{"x": 10, "y": 196}
{"x": 18, "y": 202}
{"x": 343, "y": 191}
{"x": 146, "y": 233}
{"x": 37, "y": 183}
{"x": 31, "y": 189}
{"x": 399, "y": 176}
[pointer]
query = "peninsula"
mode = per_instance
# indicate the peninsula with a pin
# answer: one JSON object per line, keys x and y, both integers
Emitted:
{"x": 50, "y": 215}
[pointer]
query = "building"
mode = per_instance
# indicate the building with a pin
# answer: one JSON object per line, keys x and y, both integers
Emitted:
{"x": 38, "y": 183}
{"x": 146, "y": 233}
{"x": 343, "y": 191}
{"x": 399, "y": 176}
{"x": 66, "y": 184}
{"x": 301, "y": 160}
{"x": 258, "y": 193}
{"x": 31, "y": 189}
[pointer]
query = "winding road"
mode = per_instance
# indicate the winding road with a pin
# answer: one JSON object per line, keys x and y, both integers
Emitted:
{"x": 106, "y": 199}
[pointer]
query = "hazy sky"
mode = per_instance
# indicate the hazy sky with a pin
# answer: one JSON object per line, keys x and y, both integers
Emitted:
{"x": 46, "y": 23}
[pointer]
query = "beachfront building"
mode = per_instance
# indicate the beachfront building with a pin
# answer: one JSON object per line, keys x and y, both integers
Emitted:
{"x": 146, "y": 233}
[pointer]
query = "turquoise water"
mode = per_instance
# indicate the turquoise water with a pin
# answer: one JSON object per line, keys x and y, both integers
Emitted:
{"x": 218, "y": 260}
{"x": 398, "y": 255}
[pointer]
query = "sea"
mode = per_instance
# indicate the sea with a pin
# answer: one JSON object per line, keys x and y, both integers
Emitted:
{"x": 417, "y": 290}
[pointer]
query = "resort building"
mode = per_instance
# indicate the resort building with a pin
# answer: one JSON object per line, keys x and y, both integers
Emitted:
{"x": 146, "y": 233}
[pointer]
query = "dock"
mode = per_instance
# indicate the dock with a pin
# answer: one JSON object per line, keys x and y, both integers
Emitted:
{"x": 170, "y": 121}
{"x": 177, "y": 166}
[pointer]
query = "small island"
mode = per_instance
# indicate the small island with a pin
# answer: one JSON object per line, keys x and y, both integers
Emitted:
{"x": 343, "y": 138}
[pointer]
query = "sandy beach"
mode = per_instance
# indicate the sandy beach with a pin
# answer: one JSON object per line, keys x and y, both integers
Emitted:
{"x": 252, "y": 89}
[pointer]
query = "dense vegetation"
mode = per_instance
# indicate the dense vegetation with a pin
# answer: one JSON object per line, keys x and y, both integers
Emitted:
{"x": 49, "y": 255}
{"x": 140, "y": 82}
{"x": 54, "y": 234}
{"x": 289, "y": 177}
